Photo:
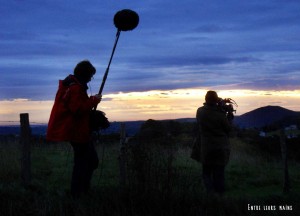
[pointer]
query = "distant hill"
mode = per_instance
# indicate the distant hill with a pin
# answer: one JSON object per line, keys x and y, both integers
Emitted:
{"x": 265, "y": 116}
{"x": 132, "y": 127}
{"x": 9, "y": 130}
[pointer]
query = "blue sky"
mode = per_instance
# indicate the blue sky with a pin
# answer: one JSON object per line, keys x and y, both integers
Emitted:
{"x": 234, "y": 44}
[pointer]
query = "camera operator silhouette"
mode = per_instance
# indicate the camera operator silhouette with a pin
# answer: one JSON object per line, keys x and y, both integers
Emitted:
{"x": 213, "y": 128}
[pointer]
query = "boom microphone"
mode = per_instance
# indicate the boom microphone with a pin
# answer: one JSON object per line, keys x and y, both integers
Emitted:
{"x": 124, "y": 20}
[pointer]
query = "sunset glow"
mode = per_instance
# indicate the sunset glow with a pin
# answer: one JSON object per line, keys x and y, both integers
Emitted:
{"x": 181, "y": 103}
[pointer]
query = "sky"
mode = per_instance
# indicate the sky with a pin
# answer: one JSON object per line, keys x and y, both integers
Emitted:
{"x": 245, "y": 50}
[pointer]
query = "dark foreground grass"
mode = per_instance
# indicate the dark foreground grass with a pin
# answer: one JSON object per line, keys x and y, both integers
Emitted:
{"x": 253, "y": 181}
{"x": 109, "y": 201}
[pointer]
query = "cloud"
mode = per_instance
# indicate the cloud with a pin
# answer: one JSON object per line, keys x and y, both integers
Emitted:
{"x": 178, "y": 44}
{"x": 181, "y": 60}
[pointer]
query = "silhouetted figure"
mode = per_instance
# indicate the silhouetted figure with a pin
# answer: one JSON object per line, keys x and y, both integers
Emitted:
{"x": 214, "y": 128}
{"x": 70, "y": 121}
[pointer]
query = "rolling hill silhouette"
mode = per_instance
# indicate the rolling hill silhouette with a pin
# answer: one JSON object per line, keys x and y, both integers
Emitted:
{"x": 265, "y": 116}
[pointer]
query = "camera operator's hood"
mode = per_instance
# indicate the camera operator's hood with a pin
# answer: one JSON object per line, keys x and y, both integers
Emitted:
{"x": 72, "y": 79}
{"x": 211, "y": 97}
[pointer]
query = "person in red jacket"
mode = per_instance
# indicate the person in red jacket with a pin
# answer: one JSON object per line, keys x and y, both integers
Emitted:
{"x": 70, "y": 121}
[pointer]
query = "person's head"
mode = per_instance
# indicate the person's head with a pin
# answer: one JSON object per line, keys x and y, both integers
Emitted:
{"x": 211, "y": 98}
{"x": 84, "y": 70}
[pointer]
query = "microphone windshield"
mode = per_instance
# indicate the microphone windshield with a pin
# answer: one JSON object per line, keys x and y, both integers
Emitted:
{"x": 126, "y": 20}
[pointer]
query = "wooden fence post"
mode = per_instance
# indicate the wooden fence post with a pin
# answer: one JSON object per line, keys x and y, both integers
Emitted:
{"x": 286, "y": 178}
{"x": 25, "y": 149}
{"x": 122, "y": 156}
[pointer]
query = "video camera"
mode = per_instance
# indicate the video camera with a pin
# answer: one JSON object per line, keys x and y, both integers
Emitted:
{"x": 227, "y": 105}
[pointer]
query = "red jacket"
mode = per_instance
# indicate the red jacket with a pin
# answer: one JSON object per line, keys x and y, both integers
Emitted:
{"x": 70, "y": 115}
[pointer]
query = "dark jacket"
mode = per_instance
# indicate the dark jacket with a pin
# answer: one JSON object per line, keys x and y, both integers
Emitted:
{"x": 214, "y": 130}
{"x": 70, "y": 115}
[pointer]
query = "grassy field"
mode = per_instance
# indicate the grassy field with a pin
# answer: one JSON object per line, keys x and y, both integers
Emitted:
{"x": 173, "y": 185}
